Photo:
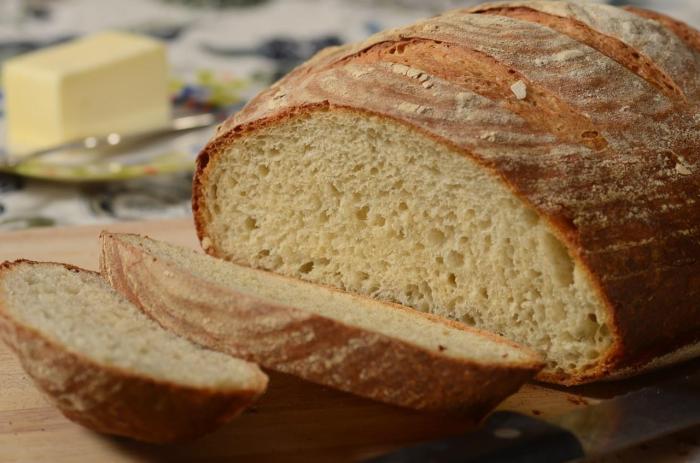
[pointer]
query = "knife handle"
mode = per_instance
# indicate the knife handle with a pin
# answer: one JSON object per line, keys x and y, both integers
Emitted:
{"x": 505, "y": 437}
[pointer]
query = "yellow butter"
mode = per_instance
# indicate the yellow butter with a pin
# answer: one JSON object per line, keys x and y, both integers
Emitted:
{"x": 105, "y": 83}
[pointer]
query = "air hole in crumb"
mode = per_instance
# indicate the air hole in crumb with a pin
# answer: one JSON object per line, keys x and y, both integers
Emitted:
{"x": 403, "y": 206}
{"x": 72, "y": 289}
{"x": 531, "y": 216}
{"x": 436, "y": 237}
{"x": 263, "y": 170}
{"x": 307, "y": 267}
{"x": 379, "y": 221}
{"x": 451, "y": 279}
{"x": 357, "y": 168}
{"x": 251, "y": 223}
{"x": 558, "y": 256}
{"x": 374, "y": 171}
{"x": 439, "y": 260}
{"x": 361, "y": 213}
{"x": 333, "y": 190}
{"x": 277, "y": 262}
{"x": 264, "y": 253}
{"x": 411, "y": 290}
{"x": 592, "y": 317}
{"x": 484, "y": 293}
{"x": 455, "y": 259}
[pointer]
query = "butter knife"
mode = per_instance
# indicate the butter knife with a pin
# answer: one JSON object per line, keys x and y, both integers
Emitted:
{"x": 591, "y": 431}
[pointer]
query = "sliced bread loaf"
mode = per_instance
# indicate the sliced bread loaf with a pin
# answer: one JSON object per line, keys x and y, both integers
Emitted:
{"x": 531, "y": 168}
{"x": 107, "y": 366}
{"x": 377, "y": 350}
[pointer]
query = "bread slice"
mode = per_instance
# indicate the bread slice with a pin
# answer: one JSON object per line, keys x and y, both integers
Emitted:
{"x": 107, "y": 366}
{"x": 530, "y": 170}
{"x": 381, "y": 351}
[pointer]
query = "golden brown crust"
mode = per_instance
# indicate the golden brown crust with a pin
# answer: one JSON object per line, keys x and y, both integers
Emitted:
{"x": 629, "y": 212}
{"x": 686, "y": 33}
{"x": 310, "y": 346}
{"x": 115, "y": 401}
{"x": 642, "y": 46}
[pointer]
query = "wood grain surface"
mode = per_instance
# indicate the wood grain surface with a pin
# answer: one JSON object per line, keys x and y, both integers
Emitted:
{"x": 294, "y": 421}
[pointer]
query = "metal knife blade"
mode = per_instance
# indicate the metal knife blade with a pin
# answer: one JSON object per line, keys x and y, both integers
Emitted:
{"x": 636, "y": 417}
{"x": 594, "y": 430}
{"x": 112, "y": 140}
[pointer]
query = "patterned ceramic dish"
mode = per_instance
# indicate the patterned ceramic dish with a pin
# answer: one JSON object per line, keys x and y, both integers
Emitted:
{"x": 167, "y": 155}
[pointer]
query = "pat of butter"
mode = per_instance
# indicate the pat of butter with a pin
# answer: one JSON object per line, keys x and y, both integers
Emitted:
{"x": 105, "y": 83}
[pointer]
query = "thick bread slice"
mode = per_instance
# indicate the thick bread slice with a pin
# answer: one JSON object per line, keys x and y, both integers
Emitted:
{"x": 380, "y": 351}
{"x": 531, "y": 169}
{"x": 107, "y": 366}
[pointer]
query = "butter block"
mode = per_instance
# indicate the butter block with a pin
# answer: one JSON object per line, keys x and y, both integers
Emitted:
{"x": 105, "y": 83}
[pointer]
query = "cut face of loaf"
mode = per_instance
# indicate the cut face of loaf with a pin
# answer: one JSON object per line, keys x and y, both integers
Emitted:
{"x": 380, "y": 351}
{"x": 368, "y": 205}
{"x": 107, "y": 366}
{"x": 531, "y": 168}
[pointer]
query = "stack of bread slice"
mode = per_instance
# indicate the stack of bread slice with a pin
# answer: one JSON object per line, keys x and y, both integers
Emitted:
{"x": 167, "y": 354}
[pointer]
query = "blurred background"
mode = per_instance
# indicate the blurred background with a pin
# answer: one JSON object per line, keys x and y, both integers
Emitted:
{"x": 220, "y": 52}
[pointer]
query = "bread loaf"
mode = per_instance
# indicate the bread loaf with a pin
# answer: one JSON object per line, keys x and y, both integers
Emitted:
{"x": 355, "y": 344}
{"x": 108, "y": 367}
{"x": 529, "y": 168}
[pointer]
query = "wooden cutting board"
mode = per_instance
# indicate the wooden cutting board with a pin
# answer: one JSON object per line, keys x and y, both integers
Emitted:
{"x": 294, "y": 421}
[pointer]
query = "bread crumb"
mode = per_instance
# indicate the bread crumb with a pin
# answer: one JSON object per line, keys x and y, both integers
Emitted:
{"x": 356, "y": 73}
{"x": 400, "y": 68}
{"x": 489, "y": 136}
{"x": 168, "y": 273}
{"x": 519, "y": 89}
{"x": 413, "y": 108}
{"x": 683, "y": 170}
{"x": 414, "y": 73}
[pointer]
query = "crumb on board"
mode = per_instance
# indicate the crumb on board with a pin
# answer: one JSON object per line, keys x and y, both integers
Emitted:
{"x": 519, "y": 89}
